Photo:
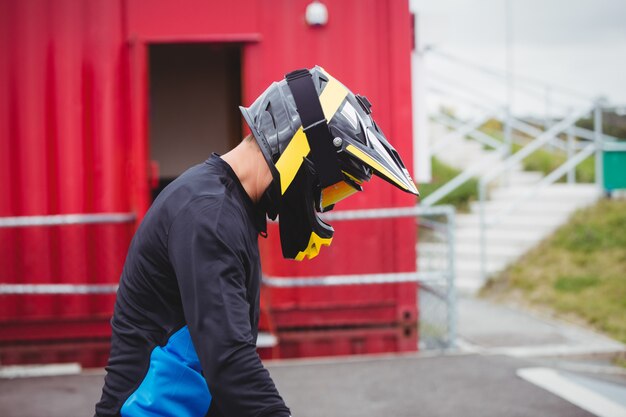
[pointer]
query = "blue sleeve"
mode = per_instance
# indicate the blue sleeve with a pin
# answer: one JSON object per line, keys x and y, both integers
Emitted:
{"x": 206, "y": 251}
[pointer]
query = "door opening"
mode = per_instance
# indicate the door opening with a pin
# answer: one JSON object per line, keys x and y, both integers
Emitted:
{"x": 194, "y": 93}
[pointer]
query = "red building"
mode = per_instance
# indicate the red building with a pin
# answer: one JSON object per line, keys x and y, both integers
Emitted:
{"x": 103, "y": 101}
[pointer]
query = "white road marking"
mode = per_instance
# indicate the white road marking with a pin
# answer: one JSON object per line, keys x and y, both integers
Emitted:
{"x": 29, "y": 371}
{"x": 588, "y": 400}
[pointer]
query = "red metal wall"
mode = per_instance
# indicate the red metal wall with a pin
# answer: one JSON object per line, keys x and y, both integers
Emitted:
{"x": 63, "y": 149}
{"x": 366, "y": 45}
{"x": 73, "y": 139}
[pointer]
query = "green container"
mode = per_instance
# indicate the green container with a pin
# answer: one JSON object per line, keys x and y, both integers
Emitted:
{"x": 614, "y": 165}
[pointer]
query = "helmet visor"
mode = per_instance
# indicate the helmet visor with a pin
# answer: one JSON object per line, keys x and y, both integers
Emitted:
{"x": 333, "y": 194}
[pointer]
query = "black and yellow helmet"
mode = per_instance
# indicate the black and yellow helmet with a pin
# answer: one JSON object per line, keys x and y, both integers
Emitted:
{"x": 321, "y": 144}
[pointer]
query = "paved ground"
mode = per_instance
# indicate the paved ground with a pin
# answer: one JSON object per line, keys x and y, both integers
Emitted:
{"x": 493, "y": 328}
{"x": 468, "y": 385}
{"x": 481, "y": 379}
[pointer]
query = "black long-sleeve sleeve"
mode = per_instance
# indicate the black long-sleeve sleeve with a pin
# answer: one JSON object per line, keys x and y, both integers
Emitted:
{"x": 191, "y": 285}
{"x": 208, "y": 249}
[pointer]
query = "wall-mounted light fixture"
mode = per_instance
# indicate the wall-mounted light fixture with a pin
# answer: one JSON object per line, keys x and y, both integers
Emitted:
{"x": 316, "y": 14}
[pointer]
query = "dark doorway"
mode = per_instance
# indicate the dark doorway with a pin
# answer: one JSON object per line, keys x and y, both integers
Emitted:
{"x": 194, "y": 93}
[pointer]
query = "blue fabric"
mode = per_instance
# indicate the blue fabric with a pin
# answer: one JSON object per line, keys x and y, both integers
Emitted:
{"x": 173, "y": 385}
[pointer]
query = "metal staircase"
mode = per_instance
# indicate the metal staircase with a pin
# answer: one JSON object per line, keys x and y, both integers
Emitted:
{"x": 516, "y": 209}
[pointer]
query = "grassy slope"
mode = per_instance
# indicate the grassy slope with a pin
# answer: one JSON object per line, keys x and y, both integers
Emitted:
{"x": 441, "y": 174}
{"x": 579, "y": 272}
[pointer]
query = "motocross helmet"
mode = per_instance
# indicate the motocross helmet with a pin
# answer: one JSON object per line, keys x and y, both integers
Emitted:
{"x": 321, "y": 145}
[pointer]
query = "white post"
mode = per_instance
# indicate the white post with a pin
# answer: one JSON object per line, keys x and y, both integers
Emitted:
{"x": 571, "y": 174}
{"x": 597, "y": 138}
{"x": 421, "y": 144}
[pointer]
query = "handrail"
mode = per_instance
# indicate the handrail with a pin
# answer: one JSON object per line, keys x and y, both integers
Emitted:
{"x": 502, "y": 75}
{"x": 67, "y": 219}
{"x": 549, "y": 179}
{"x": 475, "y": 100}
{"x": 446, "y": 277}
{"x": 461, "y": 129}
{"x": 535, "y": 144}
{"x": 457, "y": 181}
{"x": 447, "y": 83}
{"x": 583, "y": 133}
{"x": 562, "y": 135}
{"x": 48, "y": 289}
{"x": 481, "y": 137}
{"x": 564, "y": 125}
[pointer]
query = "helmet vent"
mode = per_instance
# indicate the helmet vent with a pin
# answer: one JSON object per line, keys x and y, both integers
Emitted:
{"x": 321, "y": 82}
{"x": 350, "y": 114}
{"x": 268, "y": 110}
{"x": 365, "y": 103}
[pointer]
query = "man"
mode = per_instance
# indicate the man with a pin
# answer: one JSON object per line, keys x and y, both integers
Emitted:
{"x": 186, "y": 315}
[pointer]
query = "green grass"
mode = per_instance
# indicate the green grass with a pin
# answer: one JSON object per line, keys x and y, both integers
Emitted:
{"x": 579, "y": 272}
{"x": 441, "y": 174}
{"x": 620, "y": 360}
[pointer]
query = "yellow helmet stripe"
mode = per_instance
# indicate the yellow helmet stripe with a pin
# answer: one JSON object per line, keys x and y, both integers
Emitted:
{"x": 290, "y": 161}
{"x": 376, "y": 165}
{"x": 333, "y": 95}
{"x": 313, "y": 247}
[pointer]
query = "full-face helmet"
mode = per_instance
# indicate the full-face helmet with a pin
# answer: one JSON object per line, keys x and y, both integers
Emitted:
{"x": 321, "y": 145}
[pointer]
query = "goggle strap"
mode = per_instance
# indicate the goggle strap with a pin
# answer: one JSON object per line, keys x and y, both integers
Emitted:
{"x": 315, "y": 126}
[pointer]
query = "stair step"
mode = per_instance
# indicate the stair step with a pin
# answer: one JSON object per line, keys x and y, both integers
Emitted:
{"x": 554, "y": 191}
{"x": 494, "y": 264}
{"x": 469, "y": 283}
{"x": 523, "y": 226}
{"x": 520, "y": 177}
{"x": 536, "y": 207}
{"x": 463, "y": 158}
{"x": 514, "y": 220}
{"x": 472, "y": 251}
{"x": 522, "y": 237}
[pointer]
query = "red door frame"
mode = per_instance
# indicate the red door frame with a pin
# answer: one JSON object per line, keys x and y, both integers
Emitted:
{"x": 139, "y": 99}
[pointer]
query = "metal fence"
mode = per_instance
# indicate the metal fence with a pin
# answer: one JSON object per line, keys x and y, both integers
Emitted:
{"x": 63, "y": 220}
{"x": 434, "y": 265}
{"x": 435, "y": 271}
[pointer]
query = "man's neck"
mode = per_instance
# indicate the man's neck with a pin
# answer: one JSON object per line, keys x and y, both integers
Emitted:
{"x": 248, "y": 163}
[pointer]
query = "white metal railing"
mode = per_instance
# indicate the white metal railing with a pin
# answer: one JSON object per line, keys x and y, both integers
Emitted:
{"x": 489, "y": 107}
{"x": 62, "y": 220}
{"x": 550, "y": 133}
{"x": 566, "y": 169}
{"x": 66, "y": 219}
{"x": 429, "y": 280}
{"x": 49, "y": 289}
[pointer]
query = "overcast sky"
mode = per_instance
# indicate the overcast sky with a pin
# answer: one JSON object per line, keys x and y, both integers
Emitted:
{"x": 577, "y": 44}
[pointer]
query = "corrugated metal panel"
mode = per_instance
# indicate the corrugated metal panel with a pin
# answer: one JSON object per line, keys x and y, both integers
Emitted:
{"x": 73, "y": 117}
{"x": 64, "y": 150}
{"x": 358, "y": 341}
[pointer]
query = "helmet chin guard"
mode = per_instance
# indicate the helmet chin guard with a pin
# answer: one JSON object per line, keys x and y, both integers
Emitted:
{"x": 321, "y": 144}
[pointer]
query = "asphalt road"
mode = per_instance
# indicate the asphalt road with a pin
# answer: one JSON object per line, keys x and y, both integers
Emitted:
{"x": 457, "y": 385}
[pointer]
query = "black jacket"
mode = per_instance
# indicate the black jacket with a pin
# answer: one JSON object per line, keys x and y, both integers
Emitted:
{"x": 194, "y": 261}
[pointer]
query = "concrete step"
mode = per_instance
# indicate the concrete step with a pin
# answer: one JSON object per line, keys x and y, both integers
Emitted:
{"x": 552, "y": 192}
{"x": 467, "y": 236}
{"x": 514, "y": 220}
{"x": 537, "y": 207}
{"x": 507, "y": 253}
{"x": 463, "y": 158}
{"x": 521, "y": 177}
{"x": 468, "y": 284}
{"x": 494, "y": 264}
{"x": 525, "y": 225}
{"x": 472, "y": 250}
